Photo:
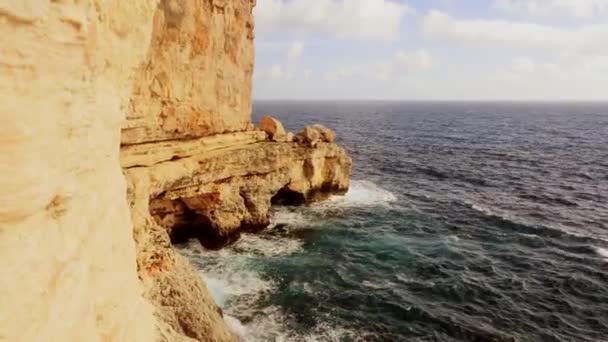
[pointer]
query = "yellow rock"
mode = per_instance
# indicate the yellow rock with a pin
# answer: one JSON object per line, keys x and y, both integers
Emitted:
{"x": 273, "y": 127}
{"x": 163, "y": 90}
{"x": 66, "y": 244}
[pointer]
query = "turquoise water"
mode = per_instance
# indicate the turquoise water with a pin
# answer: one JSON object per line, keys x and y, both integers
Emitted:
{"x": 464, "y": 222}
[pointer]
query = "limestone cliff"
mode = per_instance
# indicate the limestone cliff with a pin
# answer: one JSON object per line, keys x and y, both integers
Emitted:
{"x": 161, "y": 89}
{"x": 196, "y": 79}
{"x": 66, "y": 249}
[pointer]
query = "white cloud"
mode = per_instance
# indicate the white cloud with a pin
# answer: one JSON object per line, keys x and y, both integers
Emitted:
{"x": 414, "y": 61}
{"x": 348, "y": 19}
{"x": 587, "y": 39}
{"x": 401, "y": 63}
{"x": 284, "y": 68}
{"x": 276, "y": 71}
{"x": 564, "y": 71}
{"x": 570, "y": 8}
{"x": 295, "y": 50}
{"x": 307, "y": 74}
{"x": 523, "y": 65}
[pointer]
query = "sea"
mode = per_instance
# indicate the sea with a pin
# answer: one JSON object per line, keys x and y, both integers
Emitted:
{"x": 465, "y": 221}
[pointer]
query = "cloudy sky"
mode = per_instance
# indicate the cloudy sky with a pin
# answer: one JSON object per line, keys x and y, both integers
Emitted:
{"x": 432, "y": 49}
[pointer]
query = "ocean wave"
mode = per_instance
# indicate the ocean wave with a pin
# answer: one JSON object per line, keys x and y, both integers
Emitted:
{"x": 484, "y": 210}
{"x": 525, "y": 228}
{"x": 603, "y": 252}
{"x": 285, "y": 216}
{"x": 234, "y": 281}
{"x": 362, "y": 193}
{"x": 272, "y": 324}
{"x": 266, "y": 245}
{"x": 229, "y": 273}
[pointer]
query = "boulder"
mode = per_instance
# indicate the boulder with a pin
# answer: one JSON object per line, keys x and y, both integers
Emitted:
{"x": 289, "y": 137}
{"x": 272, "y": 127}
{"x": 312, "y": 135}
{"x": 309, "y": 136}
{"x": 299, "y": 139}
{"x": 327, "y": 134}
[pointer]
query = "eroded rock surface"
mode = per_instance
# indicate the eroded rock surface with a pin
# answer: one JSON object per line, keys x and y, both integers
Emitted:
{"x": 217, "y": 194}
{"x": 273, "y": 127}
{"x": 213, "y": 189}
{"x": 313, "y": 134}
{"x": 196, "y": 80}
{"x": 67, "y": 253}
{"x": 89, "y": 257}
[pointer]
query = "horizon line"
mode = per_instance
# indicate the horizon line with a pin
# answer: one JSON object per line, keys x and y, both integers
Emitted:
{"x": 437, "y": 100}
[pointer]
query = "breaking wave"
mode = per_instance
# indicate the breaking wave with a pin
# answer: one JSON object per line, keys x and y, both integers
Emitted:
{"x": 362, "y": 193}
{"x": 603, "y": 252}
{"x": 488, "y": 225}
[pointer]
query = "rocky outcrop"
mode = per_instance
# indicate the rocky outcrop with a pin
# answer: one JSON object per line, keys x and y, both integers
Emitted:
{"x": 217, "y": 193}
{"x": 312, "y": 135}
{"x": 194, "y": 84}
{"x": 160, "y": 90}
{"x": 213, "y": 189}
{"x": 273, "y": 127}
{"x": 194, "y": 165}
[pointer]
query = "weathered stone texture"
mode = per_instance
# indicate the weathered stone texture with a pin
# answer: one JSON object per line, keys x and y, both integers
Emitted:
{"x": 196, "y": 80}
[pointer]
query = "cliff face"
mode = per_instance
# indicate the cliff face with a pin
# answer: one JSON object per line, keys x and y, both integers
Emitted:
{"x": 161, "y": 89}
{"x": 196, "y": 80}
{"x": 66, "y": 249}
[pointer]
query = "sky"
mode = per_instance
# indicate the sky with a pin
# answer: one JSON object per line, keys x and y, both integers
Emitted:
{"x": 432, "y": 49}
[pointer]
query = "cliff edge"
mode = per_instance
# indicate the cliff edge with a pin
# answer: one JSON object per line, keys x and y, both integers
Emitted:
{"x": 126, "y": 128}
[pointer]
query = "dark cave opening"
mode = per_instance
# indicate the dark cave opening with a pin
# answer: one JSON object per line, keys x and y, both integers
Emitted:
{"x": 286, "y": 196}
{"x": 184, "y": 224}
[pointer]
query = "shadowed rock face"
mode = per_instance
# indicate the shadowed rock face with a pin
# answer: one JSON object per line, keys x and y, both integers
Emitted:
{"x": 215, "y": 195}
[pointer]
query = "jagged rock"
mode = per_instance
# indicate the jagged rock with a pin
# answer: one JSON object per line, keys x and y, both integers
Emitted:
{"x": 216, "y": 195}
{"x": 273, "y": 127}
{"x": 289, "y": 137}
{"x": 327, "y": 134}
{"x": 314, "y": 134}
{"x": 299, "y": 139}
{"x": 310, "y": 136}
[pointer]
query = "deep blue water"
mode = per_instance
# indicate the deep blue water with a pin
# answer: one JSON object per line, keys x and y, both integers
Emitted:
{"x": 465, "y": 222}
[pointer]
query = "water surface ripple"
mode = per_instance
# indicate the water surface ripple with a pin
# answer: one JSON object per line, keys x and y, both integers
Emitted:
{"x": 465, "y": 222}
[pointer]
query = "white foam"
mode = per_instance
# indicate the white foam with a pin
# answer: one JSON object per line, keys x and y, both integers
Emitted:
{"x": 271, "y": 325}
{"x": 483, "y": 210}
{"x": 603, "y": 252}
{"x": 229, "y": 275}
{"x": 267, "y": 245}
{"x": 326, "y": 332}
{"x": 287, "y": 216}
{"x": 236, "y": 326}
{"x": 377, "y": 285}
{"x": 453, "y": 238}
{"x": 236, "y": 286}
{"x": 491, "y": 212}
{"x": 362, "y": 194}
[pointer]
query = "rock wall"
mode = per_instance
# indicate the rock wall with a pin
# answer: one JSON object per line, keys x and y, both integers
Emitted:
{"x": 163, "y": 90}
{"x": 196, "y": 80}
{"x": 66, "y": 249}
